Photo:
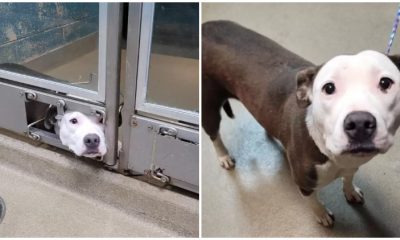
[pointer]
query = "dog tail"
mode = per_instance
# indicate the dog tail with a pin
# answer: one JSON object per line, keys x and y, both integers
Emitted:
{"x": 228, "y": 109}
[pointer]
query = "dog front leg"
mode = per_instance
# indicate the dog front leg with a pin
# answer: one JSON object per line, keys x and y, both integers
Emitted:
{"x": 323, "y": 215}
{"x": 223, "y": 156}
{"x": 352, "y": 193}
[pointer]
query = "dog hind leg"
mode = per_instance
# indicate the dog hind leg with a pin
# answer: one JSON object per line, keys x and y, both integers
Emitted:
{"x": 211, "y": 119}
{"x": 223, "y": 156}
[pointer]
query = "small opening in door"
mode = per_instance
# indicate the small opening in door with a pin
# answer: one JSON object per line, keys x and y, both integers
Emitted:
{"x": 36, "y": 113}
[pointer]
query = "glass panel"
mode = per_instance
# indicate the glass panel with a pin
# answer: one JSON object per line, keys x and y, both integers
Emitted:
{"x": 174, "y": 62}
{"x": 56, "y": 41}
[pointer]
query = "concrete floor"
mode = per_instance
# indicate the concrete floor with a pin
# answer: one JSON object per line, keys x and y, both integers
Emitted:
{"x": 52, "y": 194}
{"x": 259, "y": 199}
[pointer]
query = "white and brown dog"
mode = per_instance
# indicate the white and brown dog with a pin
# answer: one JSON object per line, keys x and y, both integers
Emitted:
{"x": 330, "y": 119}
{"x": 82, "y": 134}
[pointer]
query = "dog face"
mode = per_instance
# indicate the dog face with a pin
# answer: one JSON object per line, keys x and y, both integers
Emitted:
{"x": 354, "y": 104}
{"x": 83, "y": 135}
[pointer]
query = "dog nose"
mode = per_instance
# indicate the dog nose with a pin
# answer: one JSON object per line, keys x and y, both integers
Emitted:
{"x": 359, "y": 126}
{"x": 91, "y": 140}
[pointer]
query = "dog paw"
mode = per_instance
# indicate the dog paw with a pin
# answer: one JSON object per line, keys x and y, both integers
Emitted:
{"x": 325, "y": 218}
{"x": 226, "y": 162}
{"x": 354, "y": 195}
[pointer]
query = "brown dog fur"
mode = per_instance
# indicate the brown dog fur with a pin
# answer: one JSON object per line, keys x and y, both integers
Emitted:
{"x": 270, "y": 81}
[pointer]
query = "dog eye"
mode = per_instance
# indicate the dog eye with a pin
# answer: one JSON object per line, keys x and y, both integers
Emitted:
{"x": 385, "y": 83}
{"x": 73, "y": 121}
{"x": 329, "y": 88}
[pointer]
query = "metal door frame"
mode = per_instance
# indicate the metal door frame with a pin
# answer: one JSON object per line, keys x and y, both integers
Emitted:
{"x": 132, "y": 58}
{"x": 112, "y": 69}
{"x": 105, "y": 26}
{"x": 146, "y": 32}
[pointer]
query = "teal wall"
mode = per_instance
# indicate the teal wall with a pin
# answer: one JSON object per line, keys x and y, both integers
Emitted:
{"x": 176, "y": 29}
{"x": 28, "y": 30}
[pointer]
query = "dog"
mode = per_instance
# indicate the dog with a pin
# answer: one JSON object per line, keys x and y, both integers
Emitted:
{"x": 82, "y": 134}
{"x": 330, "y": 118}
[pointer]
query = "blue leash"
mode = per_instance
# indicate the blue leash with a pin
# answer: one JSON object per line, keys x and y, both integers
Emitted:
{"x": 394, "y": 29}
{"x": 2, "y": 209}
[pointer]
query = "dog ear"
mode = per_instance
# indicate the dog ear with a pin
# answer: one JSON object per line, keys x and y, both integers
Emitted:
{"x": 396, "y": 60}
{"x": 50, "y": 118}
{"x": 305, "y": 79}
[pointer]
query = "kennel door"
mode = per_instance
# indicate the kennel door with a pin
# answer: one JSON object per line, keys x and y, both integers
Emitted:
{"x": 161, "y": 112}
{"x": 55, "y": 46}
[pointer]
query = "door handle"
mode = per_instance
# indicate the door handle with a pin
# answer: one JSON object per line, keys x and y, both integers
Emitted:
{"x": 168, "y": 131}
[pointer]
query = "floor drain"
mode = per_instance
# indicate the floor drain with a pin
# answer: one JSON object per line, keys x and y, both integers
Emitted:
{"x": 2, "y": 209}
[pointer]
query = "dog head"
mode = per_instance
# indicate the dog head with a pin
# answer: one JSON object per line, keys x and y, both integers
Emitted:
{"x": 353, "y": 104}
{"x": 82, "y": 134}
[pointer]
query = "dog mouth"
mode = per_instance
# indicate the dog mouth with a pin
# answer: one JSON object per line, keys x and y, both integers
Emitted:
{"x": 92, "y": 153}
{"x": 361, "y": 149}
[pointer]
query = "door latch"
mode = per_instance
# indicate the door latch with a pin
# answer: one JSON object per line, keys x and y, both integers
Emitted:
{"x": 30, "y": 134}
{"x": 168, "y": 131}
{"x": 33, "y": 136}
{"x": 157, "y": 174}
